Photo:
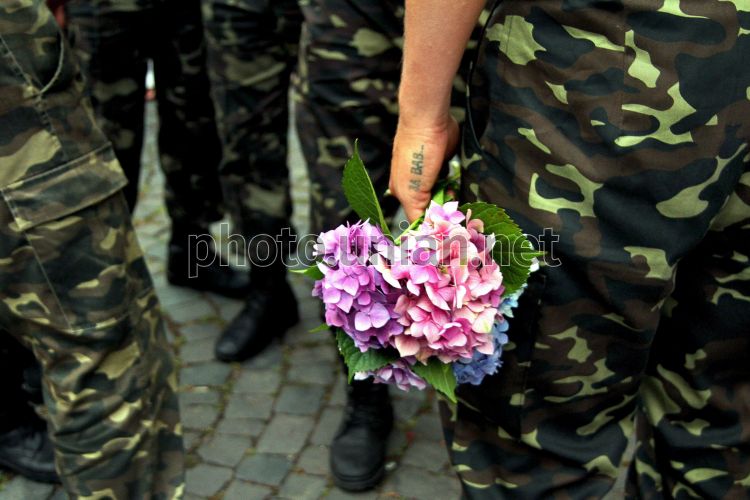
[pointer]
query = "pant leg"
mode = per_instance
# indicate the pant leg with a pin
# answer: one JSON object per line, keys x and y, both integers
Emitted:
{"x": 252, "y": 52}
{"x": 349, "y": 71}
{"x": 109, "y": 44}
{"x": 350, "y": 65}
{"x": 73, "y": 282}
{"x": 626, "y": 140}
{"x": 189, "y": 147}
{"x": 693, "y": 426}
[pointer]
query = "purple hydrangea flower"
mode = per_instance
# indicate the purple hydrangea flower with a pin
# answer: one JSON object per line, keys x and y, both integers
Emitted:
{"x": 357, "y": 299}
{"x": 473, "y": 371}
{"x": 398, "y": 373}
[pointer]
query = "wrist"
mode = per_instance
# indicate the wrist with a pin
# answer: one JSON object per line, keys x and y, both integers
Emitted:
{"x": 421, "y": 107}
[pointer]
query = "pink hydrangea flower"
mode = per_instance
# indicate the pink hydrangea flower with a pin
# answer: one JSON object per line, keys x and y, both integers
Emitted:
{"x": 450, "y": 288}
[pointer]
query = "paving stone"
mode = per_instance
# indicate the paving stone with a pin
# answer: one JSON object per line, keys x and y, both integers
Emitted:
{"x": 314, "y": 460}
{"x": 422, "y": 396}
{"x": 213, "y": 373}
{"x": 397, "y": 443}
{"x": 205, "y": 480}
{"x": 241, "y": 427}
{"x": 413, "y": 482}
{"x": 338, "y": 393}
{"x": 285, "y": 434}
{"x": 257, "y": 406}
{"x": 193, "y": 310}
{"x": 171, "y": 296}
{"x": 197, "y": 351}
{"x": 300, "y": 400}
{"x": 428, "y": 426}
{"x": 240, "y": 490}
{"x": 309, "y": 308}
{"x": 208, "y": 397}
{"x": 199, "y": 417}
{"x": 271, "y": 357}
{"x": 337, "y": 494}
{"x": 224, "y": 450}
{"x": 328, "y": 424}
{"x": 228, "y": 308}
{"x": 59, "y": 494}
{"x": 258, "y": 382}
{"x": 20, "y": 488}
{"x": 264, "y": 469}
{"x": 405, "y": 409}
{"x": 191, "y": 438}
{"x": 430, "y": 455}
{"x": 319, "y": 373}
{"x": 302, "y": 487}
{"x": 200, "y": 331}
{"x": 309, "y": 355}
{"x": 300, "y": 334}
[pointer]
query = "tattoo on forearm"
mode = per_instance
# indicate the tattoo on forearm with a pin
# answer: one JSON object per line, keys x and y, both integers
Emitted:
{"x": 417, "y": 165}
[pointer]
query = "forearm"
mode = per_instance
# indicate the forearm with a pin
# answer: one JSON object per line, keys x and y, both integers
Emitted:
{"x": 435, "y": 36}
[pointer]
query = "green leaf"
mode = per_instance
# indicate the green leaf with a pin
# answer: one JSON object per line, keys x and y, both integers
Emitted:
{"x": 358, "y": 361}
{"x": 360, "y": 194}
{"x": 512, "y": 251}
{"x": 320, "y": 328}
{"x": 440, "y": 192}
{"x": 411, "y": 227}
{"x": 439, "y": 375}
{"x": 311, "y": 272}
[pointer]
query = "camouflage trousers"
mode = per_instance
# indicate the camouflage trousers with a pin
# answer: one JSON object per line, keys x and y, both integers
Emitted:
{"x": 73, "y": 283}
{"x": 114, "y": 42}
{"x": 252, "y": 53}
{"x": 350, "y": 66}
{"x": 622, "y": 126}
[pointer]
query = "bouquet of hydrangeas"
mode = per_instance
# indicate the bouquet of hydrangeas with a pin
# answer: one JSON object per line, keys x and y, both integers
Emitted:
{"x": 427, "y": 307}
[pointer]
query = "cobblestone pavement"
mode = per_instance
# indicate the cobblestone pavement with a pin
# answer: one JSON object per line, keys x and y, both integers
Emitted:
{"x": 261, "y": 429}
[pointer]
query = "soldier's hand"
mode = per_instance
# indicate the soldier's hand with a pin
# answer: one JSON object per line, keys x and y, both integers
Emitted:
{"x": 419, "y": 151}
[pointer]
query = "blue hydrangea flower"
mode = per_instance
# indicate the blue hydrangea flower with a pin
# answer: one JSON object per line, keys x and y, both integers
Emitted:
{"x": 511, "y": 302}
{"x": 481, "y": 365}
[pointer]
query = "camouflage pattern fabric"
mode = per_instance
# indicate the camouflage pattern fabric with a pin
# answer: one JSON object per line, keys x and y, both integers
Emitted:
{"x": 73, "y": 282}
{"x": 622, "y": 125}
{"x": 114, "y": 39}
{"x": 252, "y": 52}
{"x": 350, "y": 65}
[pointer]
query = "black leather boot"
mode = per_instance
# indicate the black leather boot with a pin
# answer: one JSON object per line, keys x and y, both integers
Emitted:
{"x": 358, "y": 450}
{"x": 192, "y": 262}
{"x": 270, "y": 310}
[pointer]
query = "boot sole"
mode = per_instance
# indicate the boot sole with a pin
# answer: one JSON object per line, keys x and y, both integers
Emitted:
{"x": 361, "y": 483}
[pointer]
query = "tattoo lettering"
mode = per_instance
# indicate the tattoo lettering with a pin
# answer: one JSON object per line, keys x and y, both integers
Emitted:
{"x": 417, "y": 161}
{"x": 417, "y": 165}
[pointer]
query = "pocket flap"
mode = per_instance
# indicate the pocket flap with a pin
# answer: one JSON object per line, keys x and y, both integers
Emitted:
{"x": 65, "y": 189}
